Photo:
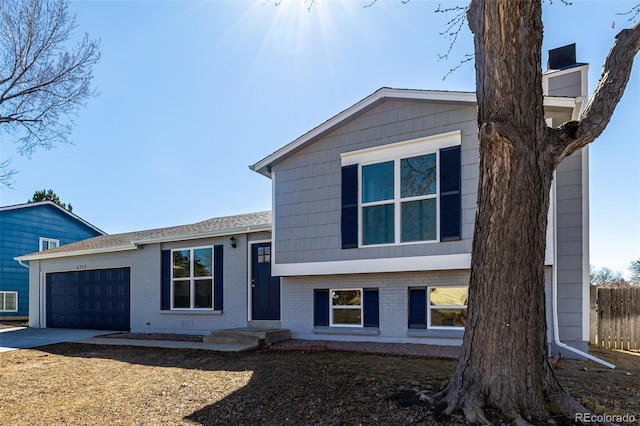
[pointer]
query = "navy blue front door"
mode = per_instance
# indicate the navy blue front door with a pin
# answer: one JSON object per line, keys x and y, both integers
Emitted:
{"x": 91, "y": 299}
{"x": 265, "y": 289}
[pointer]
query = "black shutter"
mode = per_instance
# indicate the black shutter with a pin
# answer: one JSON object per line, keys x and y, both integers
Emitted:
{"x": 371, "y": 316}
{"x": 321, "y": 308}
{"x": 417, "y": 308}
{"x": 349, "y": 222}
{"x": 165, "y": 274}
{"x": 450, "y": 194}
{"x": 218, "y": 274}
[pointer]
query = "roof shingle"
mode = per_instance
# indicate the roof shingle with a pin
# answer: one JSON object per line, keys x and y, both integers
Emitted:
{"x": 218, "y": 225}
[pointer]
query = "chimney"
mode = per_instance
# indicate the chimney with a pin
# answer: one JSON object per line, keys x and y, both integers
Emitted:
{"x": 562, "y": 57}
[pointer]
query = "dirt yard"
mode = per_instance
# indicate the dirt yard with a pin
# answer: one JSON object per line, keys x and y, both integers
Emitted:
{"x": 78, "y": 384}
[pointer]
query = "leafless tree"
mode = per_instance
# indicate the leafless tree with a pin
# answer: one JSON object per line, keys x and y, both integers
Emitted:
{"x": 634, "y": 268}
{"x": 44, "y": 78}
{"x": 606, "y": 277}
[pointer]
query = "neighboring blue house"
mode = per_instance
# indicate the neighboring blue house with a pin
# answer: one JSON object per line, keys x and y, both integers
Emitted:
{"x": 26, "y": 228}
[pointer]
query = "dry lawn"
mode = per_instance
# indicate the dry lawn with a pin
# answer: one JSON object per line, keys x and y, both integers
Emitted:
{"x": 76, "y": 384}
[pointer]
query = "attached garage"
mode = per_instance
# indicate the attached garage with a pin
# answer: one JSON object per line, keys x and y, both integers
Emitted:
{"x": 91, "y": 299}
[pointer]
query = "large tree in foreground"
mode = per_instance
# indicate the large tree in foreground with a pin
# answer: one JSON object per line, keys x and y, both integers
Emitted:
{"x": 44, "y": 79}
{"x": 504, "y": 364}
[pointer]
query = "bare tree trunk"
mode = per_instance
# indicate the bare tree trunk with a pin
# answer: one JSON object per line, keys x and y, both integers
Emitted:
{"x": 504, "y": 363}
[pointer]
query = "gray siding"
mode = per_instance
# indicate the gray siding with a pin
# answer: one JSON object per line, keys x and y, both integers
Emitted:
{"x": 570, "y": 250}
{"x": 307, "y": 223}
{"x": 146, "y": 316}
{"x": 393, "y": 288}
{"x": 307, "y": 184}
{"x": 565, "y": 85}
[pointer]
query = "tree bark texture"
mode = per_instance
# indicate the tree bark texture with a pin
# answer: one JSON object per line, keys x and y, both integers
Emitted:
{"x": 504, "y": 364}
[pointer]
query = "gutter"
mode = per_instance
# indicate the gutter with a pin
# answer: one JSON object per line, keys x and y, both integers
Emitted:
{"x": 59, "y": 254}
{"x": 554, "y": 302}
{"x": 20, "y": 261}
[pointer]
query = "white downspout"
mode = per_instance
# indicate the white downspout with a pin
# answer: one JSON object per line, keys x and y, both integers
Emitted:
{"x": 554, "y": 295}
{"x": 20, "y": 261}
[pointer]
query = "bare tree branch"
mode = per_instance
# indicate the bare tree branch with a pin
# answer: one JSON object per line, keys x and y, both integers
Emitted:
{"x": 451, "y": 32}
{"x": 7, "y": 174}
{"x": 597, "y": 114}
{"x": 43, "y": 82}
{"x": 632, "y": 13}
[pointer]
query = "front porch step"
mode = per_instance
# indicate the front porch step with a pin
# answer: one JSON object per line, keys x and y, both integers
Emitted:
{"x": 248, "y": 335}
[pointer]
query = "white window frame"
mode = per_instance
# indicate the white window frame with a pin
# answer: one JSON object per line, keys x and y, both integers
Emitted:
{"x": 49, "y": 241}
{"x": 396, "y": 152}
{"x": 192, "y": 279}
{"x": 353, "y": 307}
{"x": 397, "y": 201}
{"x": 430, "y": 308}
{"x": 3, "y": 299}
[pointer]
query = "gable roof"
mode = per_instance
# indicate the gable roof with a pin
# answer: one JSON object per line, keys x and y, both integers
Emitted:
{"x": 214, "y": 227}
{"x": 54, "y": 205}
{"x": 386, "y": 93}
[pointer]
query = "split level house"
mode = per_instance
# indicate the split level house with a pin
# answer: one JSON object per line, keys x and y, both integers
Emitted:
{"x": 369, "y": 237}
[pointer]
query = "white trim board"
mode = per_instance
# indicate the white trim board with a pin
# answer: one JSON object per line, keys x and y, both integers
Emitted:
{"x": 364, "y": 266}
{"x": 404, "y": 149}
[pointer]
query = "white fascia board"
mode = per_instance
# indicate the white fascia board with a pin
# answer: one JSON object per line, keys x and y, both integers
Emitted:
{"x": 560, "y": 101}
{"x": 364, "y": 266}
{"x": 74, "y": 253}
{"x": 421, "y": 95}
{"x": 222, "y": 233}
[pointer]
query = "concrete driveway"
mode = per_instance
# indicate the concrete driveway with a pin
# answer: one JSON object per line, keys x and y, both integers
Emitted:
{"x": 23, "y": 338}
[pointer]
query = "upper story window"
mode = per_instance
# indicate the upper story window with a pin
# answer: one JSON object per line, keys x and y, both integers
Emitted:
{"x": 399, "y": 200}
{"x": 192, "y": 278}
{"x": 48, "y": 243}
{"x": 402, "y": 193}
{"x": 8, "y": 301}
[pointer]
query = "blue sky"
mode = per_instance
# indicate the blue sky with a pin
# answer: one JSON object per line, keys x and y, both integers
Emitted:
{"x": 191, "y": 93}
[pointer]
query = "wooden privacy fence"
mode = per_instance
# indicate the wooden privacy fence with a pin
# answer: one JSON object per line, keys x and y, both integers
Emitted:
{"x": 615, "y": 317}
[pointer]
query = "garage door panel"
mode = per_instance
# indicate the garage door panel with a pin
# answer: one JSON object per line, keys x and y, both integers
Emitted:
{"x": 93, "y": 299}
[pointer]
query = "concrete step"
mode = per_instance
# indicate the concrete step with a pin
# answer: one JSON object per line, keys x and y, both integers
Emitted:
{"x": 248, "y": 335}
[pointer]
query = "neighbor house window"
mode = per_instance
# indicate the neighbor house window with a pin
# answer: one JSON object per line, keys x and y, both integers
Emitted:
{"x": 346, "y": 307}
{"x": 192, "y": 278}
{"x": 8, "y": 301}
{"x": 48, "y": 243}
{"x": 438, "y": 307}
{"x": 405, "y": 192}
